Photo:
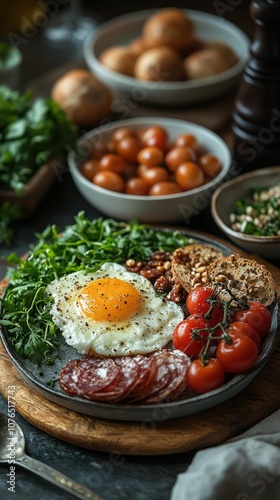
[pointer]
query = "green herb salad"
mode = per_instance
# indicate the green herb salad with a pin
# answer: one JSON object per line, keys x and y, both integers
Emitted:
{"x": 259, "y": 213}
{"x": 85, "y": 245}
{"x": 31, "y": 133}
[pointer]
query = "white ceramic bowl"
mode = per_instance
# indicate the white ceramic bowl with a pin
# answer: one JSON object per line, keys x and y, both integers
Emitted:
{"x": 122, "y": 30}
{"x": 223, "y": 202}
{"x": 161, "y": 209}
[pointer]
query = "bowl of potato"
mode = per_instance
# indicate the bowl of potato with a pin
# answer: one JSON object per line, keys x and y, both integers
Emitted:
{"x": 169, "y": 56}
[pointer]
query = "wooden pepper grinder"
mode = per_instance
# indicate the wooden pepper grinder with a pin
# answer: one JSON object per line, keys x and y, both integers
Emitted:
{"x": 256, "y": 116}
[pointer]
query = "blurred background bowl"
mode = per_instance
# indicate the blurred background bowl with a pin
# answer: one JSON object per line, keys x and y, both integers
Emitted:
{"x": 156, "y": 209}
{"x": 222, "y": 205}
{"x": 122, "y": 30}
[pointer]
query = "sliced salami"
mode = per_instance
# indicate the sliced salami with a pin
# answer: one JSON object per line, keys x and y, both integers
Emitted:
{"x": 136, "y": 379}
{"x": 148, "y": 372}
{"x": 161, "y": 377}
{"x": 86, "y": 376}
{"x": 174, "y": 364}
{"x": 120, "y": 386}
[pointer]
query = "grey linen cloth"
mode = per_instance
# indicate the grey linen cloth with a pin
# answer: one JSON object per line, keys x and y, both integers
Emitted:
{"x": 244, "y": 468}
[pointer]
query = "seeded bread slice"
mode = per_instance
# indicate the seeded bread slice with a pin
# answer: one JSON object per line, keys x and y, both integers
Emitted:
{"x": 189, "y": 264}
{"x": 244, "y": 277}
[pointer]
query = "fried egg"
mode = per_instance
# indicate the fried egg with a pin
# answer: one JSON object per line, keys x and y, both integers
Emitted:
{"x": 112, "y": 312}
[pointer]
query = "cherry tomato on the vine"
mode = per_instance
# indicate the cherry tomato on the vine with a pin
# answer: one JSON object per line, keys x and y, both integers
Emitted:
{"x": 203, "y": 378}
{"x": 185, "y": 338}
{"x": 197, "y": 302}
{"x": 257, "y": 315}
{"x": 241, "y": 326}
{"x": 239, "y": 355}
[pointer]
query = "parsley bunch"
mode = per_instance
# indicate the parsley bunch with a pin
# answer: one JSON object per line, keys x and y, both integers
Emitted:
{"x": 30, "y": 135}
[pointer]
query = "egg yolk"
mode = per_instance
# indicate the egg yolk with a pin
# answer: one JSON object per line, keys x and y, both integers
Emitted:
{"x": 109, "y": 299}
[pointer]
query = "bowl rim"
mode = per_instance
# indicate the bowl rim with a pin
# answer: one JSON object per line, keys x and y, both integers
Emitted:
{"x": 74, "y": 165}
{"x": 237, "y": 235}
{"x": 196, "y": 16}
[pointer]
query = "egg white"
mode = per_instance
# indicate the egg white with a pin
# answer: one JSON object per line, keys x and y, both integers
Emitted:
{"x": 147, "y": 330}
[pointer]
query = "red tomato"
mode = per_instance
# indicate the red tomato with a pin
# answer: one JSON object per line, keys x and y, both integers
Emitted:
{"x": 210, "y": 165}
{"x": 153, "y": 175}
{"x": 241, "y": 326}
{"x": 109, "y": 180}
{"x": 121, "y": 133}
{"x": 137, "y": 186}
{"x": 155, "y": 136}
{"x": 150, "y": 156}
{"x": 189, "y": 175}
{"x": 197, "y": 302}
{"x": 187, "y": 141}
{"x": 204, "y": 378}
{"x": 128, "y": 148}
{"x": 98, "y": 150}
{"x": 185, "y": 338}
{"x": 112, "y": 162}
{"x": 178, "y": 155}
{"x": 258, "y": 316}
{"x": 89, "y": 168}
{"x": 164, "y": 187}
{"x": 238, "y": 356}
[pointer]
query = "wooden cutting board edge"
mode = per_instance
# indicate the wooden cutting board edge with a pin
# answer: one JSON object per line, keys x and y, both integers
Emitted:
{"x": 152, "y": 437}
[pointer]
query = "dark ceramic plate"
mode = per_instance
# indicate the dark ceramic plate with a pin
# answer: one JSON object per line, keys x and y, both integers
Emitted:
{"x": 44, "y": 379}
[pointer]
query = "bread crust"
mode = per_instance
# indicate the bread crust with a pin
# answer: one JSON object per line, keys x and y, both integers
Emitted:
{"x": 244, "y": 277}
{"x": 189, "y": 264}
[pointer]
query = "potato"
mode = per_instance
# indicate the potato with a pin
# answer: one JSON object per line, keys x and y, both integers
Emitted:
{"x": 227, "y": 53}
{"x": 120, "y": 59}
{"x": 83, "y": 97}
{"x": 137, "y": 46}
{"x": 159, "y": 64}
{"x": 204, "y": 63}
{"x": 168, "y": 27}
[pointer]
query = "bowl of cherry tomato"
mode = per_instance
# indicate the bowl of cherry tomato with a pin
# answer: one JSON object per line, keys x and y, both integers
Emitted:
{"x": 149, "y": 169}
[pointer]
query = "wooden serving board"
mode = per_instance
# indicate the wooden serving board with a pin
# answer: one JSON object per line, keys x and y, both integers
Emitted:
{"x": 207, "y": 428}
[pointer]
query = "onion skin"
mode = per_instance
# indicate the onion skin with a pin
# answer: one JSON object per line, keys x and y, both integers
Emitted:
{"x": 119, "y": 59}
{"x": 82, "y": 97}
{"x": 159, "y": 64}
{"x": 169, "y": 27}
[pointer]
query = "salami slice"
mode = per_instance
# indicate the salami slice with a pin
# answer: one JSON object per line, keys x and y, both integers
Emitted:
{"x": 147, "y": 373}
{"x": 174, "y": 364}
{"x": 120, "y": 386}
{"x": 162, "y": 378}
{"x": 88, "y": 375}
